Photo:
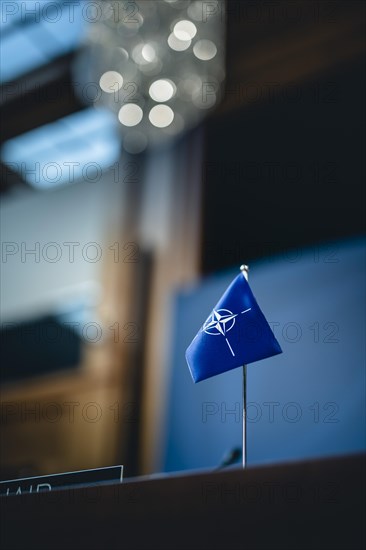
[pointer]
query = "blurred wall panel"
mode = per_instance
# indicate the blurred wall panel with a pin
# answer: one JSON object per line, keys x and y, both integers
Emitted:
{"x": 170, "y": 226}
{"x": 52, "y": 247}
{"x": 75, "y": 419}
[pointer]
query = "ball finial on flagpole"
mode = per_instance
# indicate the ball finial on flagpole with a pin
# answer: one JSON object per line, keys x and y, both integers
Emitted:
{"x": 245, "y": 270}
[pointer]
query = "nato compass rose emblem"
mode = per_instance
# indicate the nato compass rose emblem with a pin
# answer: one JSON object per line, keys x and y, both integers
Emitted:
{"x": 221, "y": 321}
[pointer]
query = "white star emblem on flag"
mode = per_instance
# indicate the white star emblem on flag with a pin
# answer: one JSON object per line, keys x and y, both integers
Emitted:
{"x": 221, "y": 321}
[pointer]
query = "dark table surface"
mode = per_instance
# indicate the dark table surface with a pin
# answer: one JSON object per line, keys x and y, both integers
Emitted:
{"x": 301, "y": 505}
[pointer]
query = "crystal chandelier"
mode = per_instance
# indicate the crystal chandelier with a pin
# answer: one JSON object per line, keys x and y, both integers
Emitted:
{"x": 158, "y": 65}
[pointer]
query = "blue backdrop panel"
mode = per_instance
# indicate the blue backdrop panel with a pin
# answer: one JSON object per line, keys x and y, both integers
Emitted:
{"x": 308, "y": 401}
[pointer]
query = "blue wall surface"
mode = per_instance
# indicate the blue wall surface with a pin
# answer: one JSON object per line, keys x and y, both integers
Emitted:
{"x": 308, "y": 401}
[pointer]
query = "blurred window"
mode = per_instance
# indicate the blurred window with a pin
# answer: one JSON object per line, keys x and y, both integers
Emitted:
{"x": 34, "y": 33}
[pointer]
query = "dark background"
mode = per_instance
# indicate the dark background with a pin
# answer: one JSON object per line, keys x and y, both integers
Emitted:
{"x": 285, "y": 153}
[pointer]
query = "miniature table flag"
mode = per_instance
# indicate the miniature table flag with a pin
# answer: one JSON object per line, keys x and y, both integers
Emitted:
{"x": 235, "y": 333}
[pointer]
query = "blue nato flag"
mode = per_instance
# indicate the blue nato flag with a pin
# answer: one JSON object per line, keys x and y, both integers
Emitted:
{"x": 235, "y": 333}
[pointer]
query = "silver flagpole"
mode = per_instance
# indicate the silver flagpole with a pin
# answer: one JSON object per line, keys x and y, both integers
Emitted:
{"x": 245, "y": 270}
